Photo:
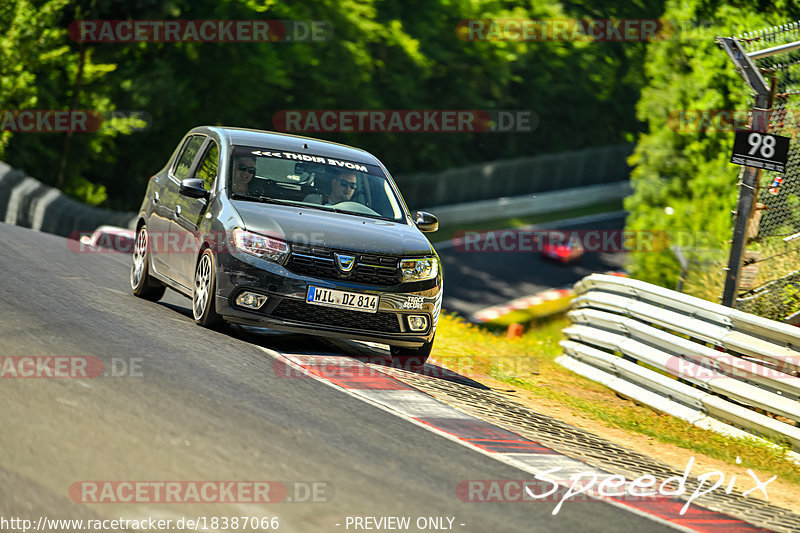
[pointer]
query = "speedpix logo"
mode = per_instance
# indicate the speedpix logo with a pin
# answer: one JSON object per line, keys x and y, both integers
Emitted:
{"x": 593, "y": 486}
{"x": 405, "y": 121}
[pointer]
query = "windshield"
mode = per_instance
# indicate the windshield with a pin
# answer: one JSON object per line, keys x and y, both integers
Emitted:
{"x": 260, "y": 174}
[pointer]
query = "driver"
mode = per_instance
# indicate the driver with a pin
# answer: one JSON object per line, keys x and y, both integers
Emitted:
{"x": 342, "y": 188}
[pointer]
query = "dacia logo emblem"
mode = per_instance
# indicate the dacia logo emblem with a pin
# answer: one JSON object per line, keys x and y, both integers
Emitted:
{"x": 345, "y": 262}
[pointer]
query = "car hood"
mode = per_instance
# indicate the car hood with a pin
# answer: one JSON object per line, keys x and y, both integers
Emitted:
{"x": 353, "y": 233}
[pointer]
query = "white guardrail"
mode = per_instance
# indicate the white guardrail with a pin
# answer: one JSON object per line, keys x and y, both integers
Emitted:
{"x": 713, "y": 366}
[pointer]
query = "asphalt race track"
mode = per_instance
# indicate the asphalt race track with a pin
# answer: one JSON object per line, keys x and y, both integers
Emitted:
{"x": 475, "y": 280}
{"x": 205, "y": 405}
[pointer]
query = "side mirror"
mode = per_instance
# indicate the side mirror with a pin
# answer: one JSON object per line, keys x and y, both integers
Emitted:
{"x": 426, "y": 222}
{"x": 193, "y": 188}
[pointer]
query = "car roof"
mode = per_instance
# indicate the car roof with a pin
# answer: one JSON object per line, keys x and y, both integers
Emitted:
{"x": 288, "y": 142}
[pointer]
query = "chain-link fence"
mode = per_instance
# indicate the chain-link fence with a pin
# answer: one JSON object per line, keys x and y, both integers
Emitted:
{"x": 769, "y": 282}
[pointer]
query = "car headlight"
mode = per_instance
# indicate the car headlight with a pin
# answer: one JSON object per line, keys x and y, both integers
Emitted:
{"x": 419, "y": 269}
{"x": 260, "y": 245}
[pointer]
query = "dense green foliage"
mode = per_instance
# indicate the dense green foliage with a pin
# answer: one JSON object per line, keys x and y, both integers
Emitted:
{"x": 38, "y": 70}
{"x": 690, "y": 172}
{"x": 396, "y": 55}
{"x": 383, "y": 55}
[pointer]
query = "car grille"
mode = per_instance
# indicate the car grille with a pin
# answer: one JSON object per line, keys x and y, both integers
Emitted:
{"x": 320, "y": 263}
{"x": 327, "y": 316}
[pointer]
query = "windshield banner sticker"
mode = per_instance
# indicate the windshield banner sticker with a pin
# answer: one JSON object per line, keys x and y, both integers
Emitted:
{"x": 312, "y": 159}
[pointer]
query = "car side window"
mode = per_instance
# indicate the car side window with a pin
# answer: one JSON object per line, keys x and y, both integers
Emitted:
{"x": 190, "y": 149}
{"x": 207, "y": 170}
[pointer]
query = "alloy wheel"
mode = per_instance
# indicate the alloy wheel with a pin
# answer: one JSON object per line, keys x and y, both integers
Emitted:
{"x": 202, "y": 286}
{"x": 139, "y": 258}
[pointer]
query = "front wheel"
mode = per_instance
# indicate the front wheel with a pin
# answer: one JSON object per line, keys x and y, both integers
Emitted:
{"x": 411, "y": 357}
{"x": 142, "y": 283}
{"x": 203, "y": 309}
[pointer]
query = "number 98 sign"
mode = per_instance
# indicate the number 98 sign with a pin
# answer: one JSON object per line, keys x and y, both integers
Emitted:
{"x": 760, "y": 150}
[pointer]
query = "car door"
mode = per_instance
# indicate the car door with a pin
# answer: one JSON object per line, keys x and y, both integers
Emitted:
{"x": 164, "y": 240}
{"x": 164, "y": 198}
{"x": 189, "y": 213}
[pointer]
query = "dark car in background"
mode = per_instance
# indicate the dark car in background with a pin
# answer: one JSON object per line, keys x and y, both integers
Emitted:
{"x": 289, "y": 233}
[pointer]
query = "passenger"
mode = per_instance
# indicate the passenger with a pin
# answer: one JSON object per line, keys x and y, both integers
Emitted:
{"x": 342, "y": 188}
{"x": 243, "y": 171}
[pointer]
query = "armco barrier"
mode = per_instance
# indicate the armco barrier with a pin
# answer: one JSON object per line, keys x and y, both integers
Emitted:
{"x": 711, "y": 365}
{"x": 527, "y": 205}
{"x": 516, "y": 177}
{"x": 27, "y": 202}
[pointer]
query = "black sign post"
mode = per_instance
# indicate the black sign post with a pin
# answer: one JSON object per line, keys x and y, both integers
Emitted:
{"x": 760, "y": 150}
{"x": 748, "y": 183}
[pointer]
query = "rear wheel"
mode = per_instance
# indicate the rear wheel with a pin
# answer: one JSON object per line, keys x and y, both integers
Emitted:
{"x": 411, "y": 357}
{"x": 142, "y": 283}
{"x": 203, "y": 309}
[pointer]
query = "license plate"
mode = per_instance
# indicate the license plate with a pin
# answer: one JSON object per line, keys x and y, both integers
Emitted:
{"x": 342, "y": 299}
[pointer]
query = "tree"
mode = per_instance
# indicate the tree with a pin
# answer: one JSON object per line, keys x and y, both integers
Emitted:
{"x": 684, "y": 170}
{"x": 383, "y": 55}
{"x": 41, "y": 69}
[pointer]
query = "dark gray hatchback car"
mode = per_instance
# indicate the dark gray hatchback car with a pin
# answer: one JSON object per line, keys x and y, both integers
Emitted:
{"x": 289, "y": 233}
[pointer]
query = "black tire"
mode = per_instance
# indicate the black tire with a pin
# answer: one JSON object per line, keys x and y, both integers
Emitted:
{"x": 411, "y": 357}
{"x": 205, "y": 282}
{"x": 142, "y": 283}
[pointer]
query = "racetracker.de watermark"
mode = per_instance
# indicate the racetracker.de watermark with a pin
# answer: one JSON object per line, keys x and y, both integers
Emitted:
{"x": 406, "y": 120}
{"x": 187, "y": 242}
{"x": 442, "y": 367}
{"x": 245, "y": 522}
{"x": 72, "y": 120}
{"x": 597, "y": 241}
{"x": 200, "y": 31}
{"x": 205, "y": 491}
{"x": 68, "y": 367}
{"x": 595, "y": 30}
{"x": 728, "y": 120}
{"x": 724, "y": 365}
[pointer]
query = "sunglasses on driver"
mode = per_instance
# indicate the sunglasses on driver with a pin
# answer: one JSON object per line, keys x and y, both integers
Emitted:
{"x": 251, "y": 170}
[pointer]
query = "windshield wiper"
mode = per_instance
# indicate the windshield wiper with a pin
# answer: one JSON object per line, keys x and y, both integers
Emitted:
{"x": 265, "y": 199}
{"x": 354, "y": 213}
{"x": 270, "y": 200}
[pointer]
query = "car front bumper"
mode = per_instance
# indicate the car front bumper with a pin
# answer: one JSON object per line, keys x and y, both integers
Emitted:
{"x": 286, "y": 308}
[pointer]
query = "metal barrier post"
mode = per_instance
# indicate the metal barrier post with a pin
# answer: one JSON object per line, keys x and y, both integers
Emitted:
{"x": 750, "y": 175}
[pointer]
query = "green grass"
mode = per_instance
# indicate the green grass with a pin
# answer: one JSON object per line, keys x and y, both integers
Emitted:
{"x": 528, "y": 362}
{"x": 532, "y": 314}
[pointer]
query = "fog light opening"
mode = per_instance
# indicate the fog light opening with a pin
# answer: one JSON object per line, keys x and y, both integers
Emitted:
{"x": 418, "y": 322}
{"x": 251, "y": 300}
